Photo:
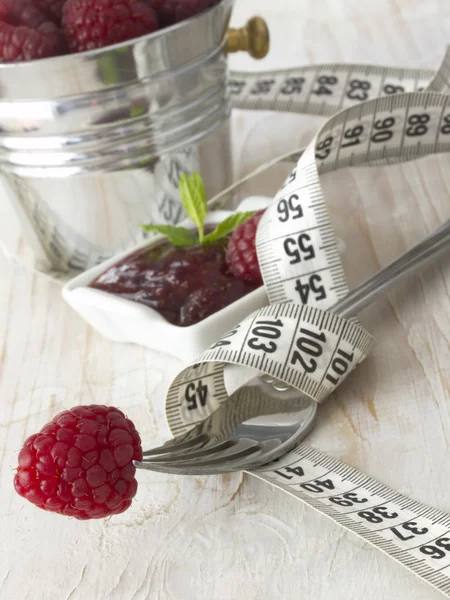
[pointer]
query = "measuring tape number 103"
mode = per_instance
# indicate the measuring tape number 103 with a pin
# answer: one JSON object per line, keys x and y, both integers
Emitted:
{"x": 380, "y": 116}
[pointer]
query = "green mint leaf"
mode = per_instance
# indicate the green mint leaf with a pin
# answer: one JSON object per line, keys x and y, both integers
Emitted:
{"x": 193, "y": 197}
{"x": 177, "y": 236}
{"x": 228, "y": 226}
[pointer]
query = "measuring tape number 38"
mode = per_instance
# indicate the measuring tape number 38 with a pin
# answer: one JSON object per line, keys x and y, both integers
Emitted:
{"x": 380, "y": 116}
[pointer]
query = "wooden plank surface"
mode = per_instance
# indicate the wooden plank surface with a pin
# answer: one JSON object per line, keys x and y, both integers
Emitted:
{"x": 232, "y": 536}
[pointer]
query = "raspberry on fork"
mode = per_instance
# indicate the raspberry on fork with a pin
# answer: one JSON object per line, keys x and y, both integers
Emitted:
{"x": 81, "y": 463}
{"x": 242, "y": 258}
{"x": 90, "y": 24}
{"x": 26, "y": 32}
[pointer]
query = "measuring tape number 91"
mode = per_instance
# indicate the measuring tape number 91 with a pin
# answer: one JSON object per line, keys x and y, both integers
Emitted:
{"x": 386, "y": 119}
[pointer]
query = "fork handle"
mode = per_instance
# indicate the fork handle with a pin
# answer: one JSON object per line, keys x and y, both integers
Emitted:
{"x": 414, "y": 259}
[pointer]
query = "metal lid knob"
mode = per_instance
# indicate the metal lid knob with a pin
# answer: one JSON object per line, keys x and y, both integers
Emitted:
{"x": 253, "y": 38}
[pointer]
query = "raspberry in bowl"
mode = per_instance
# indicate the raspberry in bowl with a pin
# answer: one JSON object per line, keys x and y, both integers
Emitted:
{"x": 197, "y": 293}
{"x": 34, "y": 29}
{"x": 29, "y": 31}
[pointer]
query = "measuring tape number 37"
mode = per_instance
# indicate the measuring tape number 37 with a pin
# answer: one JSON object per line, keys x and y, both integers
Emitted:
{"x": 380, "y": 116}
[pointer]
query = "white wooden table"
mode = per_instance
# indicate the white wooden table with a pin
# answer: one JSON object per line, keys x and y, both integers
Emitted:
{"x": 231, "y": 536}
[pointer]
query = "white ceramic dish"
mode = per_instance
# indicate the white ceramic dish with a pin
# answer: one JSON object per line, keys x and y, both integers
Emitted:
{"x": 123, "y": 320}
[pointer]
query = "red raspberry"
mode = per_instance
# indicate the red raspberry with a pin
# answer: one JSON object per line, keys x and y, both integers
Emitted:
{"x": 81, "y": 463}
{"x": 92, "y": 24}
{"x": 26, "y": 32}
{"x": 174, "y": 11}
{"x": 241, "y": 251}
{"x": 52, "y": 8}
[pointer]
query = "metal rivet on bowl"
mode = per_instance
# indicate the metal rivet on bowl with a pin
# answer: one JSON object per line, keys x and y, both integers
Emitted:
{"x": 253, "y": 38}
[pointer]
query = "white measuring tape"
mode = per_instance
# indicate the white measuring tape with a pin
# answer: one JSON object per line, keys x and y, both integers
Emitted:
{"x": 295, "y": 339}
{"x": 327, "y": 89}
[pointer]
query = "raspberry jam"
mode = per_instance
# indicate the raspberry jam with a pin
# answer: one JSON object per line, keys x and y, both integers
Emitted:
{"x": 185, "y": 285}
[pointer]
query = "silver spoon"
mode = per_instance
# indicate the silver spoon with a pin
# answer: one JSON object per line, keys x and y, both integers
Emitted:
{"x": 243, "y": 435}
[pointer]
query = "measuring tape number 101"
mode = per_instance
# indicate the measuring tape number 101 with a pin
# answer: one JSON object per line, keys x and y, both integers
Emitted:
{"x": 380, "y": 116}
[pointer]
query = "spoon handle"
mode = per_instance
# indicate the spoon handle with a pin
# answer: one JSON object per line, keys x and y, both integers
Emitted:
{"x": 366, "y": 293}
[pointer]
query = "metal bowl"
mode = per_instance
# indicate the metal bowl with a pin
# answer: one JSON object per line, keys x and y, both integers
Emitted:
{"x": 92, "y": 144}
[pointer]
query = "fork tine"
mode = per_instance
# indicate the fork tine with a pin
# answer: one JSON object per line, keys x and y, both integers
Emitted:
{"x": 194, "y": 470}
{"x": 214, "y": 461}
{"x": 209, "y": 450}
{"x": 176, "y": 446}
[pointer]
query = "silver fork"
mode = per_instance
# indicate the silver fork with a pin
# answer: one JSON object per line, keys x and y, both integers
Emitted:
{"x": 265, "y": 420}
